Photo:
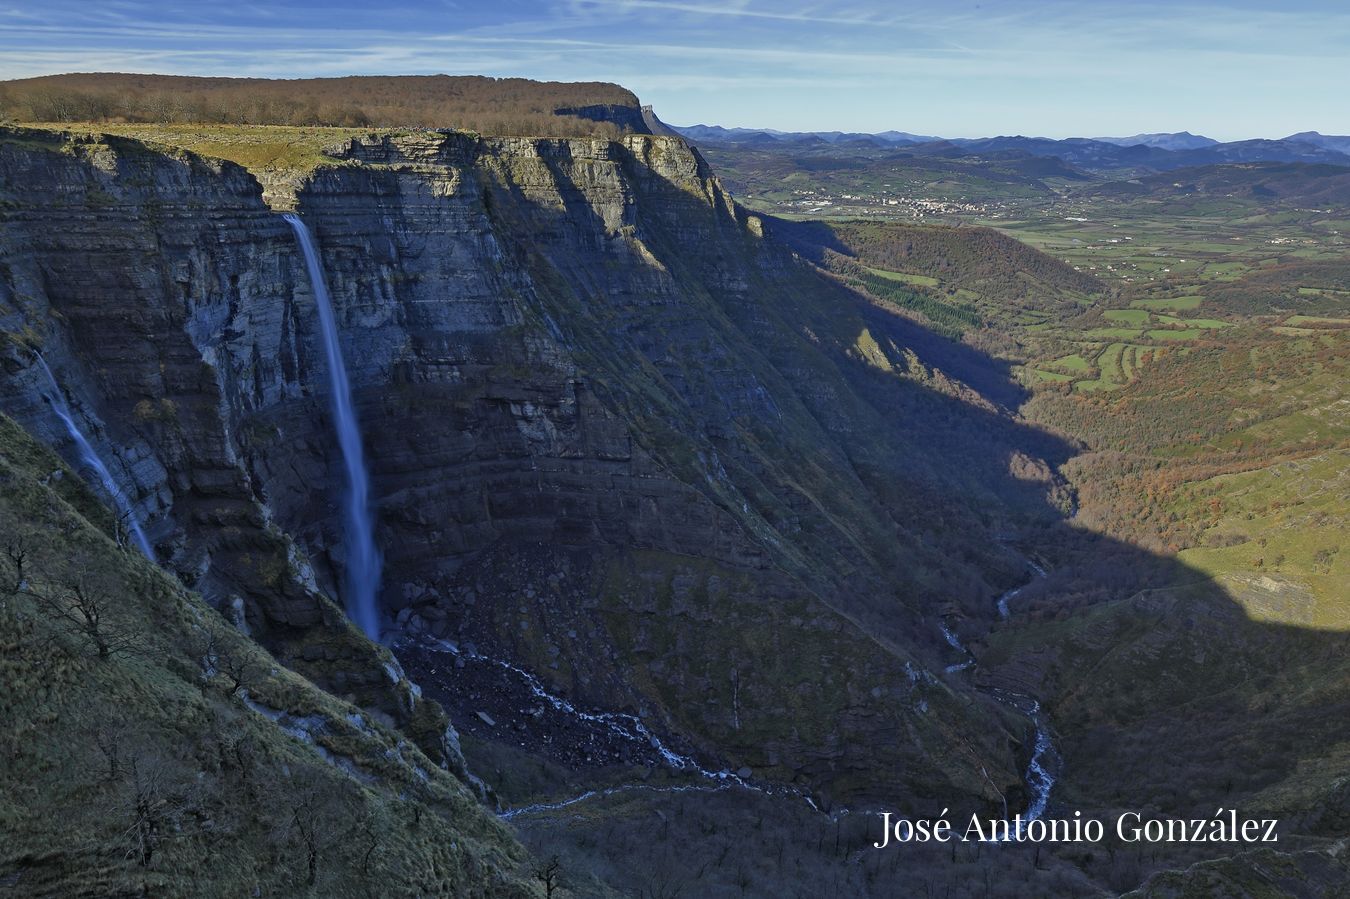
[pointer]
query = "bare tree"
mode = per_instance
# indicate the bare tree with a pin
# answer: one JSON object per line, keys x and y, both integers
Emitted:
{"x": 369, "y": 832}
{"x": 219, "y": 656}
{"x": 239, "y": 667}
{"x": 85, "y": 608}
{"x": 667, "y": 877}
{"x": 16, "y": 555}
{"x": 305, "y": 827}
{"x": 148, "y": 806}
{"x": 550, "y": 875}
{"x": 122, "y": 531}
{"x": 419, "y": 797}
{"x": 310, "y": 820}
{"x": 205, "y": 648}
{"x": 110, "y": 737}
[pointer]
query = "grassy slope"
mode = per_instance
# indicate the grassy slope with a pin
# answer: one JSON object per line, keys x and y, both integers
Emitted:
{"x": 228, "y": 800}
{"x": 279, "y": 156}
{"x": 955, "y": 280}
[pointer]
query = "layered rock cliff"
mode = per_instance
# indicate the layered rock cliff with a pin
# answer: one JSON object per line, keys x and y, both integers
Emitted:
{"x": 616, "y": 435}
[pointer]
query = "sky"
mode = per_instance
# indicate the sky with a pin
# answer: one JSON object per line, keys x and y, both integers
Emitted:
{"x": 1057, "y": 68}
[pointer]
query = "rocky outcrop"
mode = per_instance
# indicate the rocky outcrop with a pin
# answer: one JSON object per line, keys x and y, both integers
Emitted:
{"x": 625, "y": 117}
{"x": 615, "y": 434}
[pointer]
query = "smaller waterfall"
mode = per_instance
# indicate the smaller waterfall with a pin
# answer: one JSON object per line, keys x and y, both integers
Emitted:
{"x": 363, "y": 560}
{"x": 955, "y": 643}
{"x": 121, "y": 504}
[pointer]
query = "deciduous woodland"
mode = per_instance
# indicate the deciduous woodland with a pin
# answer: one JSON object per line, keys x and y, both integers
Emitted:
{"x": 465, "y": 102}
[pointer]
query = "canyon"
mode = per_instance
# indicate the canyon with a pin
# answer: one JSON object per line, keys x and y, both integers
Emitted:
{"x": 656, "y": 503}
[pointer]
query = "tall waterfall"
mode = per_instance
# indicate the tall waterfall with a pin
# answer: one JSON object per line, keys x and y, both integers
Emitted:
{"x": 363, "y": 560}
{"x": 120, "y": 502}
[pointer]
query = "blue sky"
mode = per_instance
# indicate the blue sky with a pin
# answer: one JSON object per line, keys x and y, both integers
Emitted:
{"x": 1232, "y": 69}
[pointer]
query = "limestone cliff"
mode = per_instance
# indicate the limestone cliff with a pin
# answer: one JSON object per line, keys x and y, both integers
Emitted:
{"x": 616, "y": 435}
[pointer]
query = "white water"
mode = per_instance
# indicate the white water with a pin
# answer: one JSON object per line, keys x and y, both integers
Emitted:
{"x": 363, "y": 559}
{"x": 955, "y": 643}
{"x": 610, "y": 791}
{"x": 1039, "y": 779}
{"x": 1036, "y": 572}
{"x": 626, "y": 727}
{"x": 121, "y": 504}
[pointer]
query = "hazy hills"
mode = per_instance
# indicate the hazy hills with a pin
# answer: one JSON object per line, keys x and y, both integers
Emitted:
{"x": 1179, "y": 140}
{"x": 1141, "y": 152}
{"x": 1273, "y": 182}
{"x": 763, "y": 135}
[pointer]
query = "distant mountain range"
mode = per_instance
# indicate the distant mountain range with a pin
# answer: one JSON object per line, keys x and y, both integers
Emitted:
{"x": 1340, "y": 144}
{"x": 1140, "y": 152}
{"x": 1180, "y": 140}
{"x": 718, "y": 134}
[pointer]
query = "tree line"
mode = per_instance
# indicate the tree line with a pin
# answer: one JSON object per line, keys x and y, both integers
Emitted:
{"x": 473, "y": 103}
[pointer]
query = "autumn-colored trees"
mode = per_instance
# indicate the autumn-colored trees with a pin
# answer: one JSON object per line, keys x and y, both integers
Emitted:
{"x": 475, "y": 103}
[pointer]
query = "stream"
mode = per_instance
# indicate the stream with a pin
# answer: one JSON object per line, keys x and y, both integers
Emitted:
{"x": 1045, "y": 758}
{"x": 619, "y": 727}
{"x": 629, "y": 730}
{"x": 1002, "y": 603}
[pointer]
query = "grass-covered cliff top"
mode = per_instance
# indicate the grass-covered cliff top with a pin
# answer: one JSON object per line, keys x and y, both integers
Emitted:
{"x": 258, "y": 148}
{"x": 279, "y": 156}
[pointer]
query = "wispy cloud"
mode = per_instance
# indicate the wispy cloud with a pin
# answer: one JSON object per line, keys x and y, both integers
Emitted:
{"x": 956, "y": 67}
{"x": 744, "y": 10}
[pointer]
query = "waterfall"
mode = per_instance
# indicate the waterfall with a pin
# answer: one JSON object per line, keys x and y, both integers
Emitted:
{"x": 121, "y": 504}
{"x": 363, "y": 560}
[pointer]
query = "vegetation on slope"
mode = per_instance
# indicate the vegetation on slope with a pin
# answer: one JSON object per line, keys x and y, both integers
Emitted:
{"x": 149, "y": 748}
{"x": 960, "y": 281}
{"x": 1190, "y": 640}
{"x": 464, "y": 102}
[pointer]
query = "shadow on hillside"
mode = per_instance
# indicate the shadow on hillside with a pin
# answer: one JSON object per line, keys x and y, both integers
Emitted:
{"x": 1164, "y": 692}
{"x": 759, "y": 357}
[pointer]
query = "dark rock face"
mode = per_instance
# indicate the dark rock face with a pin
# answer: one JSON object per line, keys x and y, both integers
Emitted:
{"x": 625, "y": 117}
{"x": 616, "y": 435}
{"x": 140, "y": 275}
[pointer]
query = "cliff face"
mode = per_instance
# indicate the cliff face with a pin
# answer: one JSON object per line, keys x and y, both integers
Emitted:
{"x": 119, "y": 263}
{"x": 616, "y": 435}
